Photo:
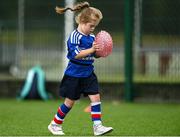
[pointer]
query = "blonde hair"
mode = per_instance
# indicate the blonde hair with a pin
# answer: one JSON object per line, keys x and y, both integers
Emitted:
{"x": 85, "y": 12}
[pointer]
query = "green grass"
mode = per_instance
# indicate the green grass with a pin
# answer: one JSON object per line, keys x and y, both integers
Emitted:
{"x": 30, "y": 118}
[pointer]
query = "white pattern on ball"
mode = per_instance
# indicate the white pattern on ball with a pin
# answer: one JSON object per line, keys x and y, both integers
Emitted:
{"x": 104, "y": 39}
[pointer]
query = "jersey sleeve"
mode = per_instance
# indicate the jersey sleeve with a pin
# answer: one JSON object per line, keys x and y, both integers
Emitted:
{"x": 73, "y": 44}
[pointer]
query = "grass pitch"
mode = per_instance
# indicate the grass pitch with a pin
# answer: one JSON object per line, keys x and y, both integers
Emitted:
{"x": 31, "y": 118}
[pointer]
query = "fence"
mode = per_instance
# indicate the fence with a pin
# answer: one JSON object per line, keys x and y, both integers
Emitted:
{"x": 157, "y": 41}
{"x": 155, "y": 48}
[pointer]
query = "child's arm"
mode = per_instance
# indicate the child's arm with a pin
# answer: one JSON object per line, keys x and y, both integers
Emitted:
{"x": 86, "y": 52}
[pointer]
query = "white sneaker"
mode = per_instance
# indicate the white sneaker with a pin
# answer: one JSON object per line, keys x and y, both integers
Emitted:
{"x": 101, "y": 130}
{"x": 55, "y": 129}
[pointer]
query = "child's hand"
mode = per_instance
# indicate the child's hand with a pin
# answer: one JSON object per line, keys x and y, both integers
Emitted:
{"x": 96, "y": 47}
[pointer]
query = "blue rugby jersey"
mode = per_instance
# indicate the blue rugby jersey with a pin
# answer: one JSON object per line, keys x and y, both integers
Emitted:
{"x": 79, "y": 67}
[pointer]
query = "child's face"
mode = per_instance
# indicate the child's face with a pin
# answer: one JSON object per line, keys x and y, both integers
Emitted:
{"x": 88, "y": 28}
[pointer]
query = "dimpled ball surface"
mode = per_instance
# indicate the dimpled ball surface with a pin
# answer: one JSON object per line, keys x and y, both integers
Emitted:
{"x": 104, "y": 39}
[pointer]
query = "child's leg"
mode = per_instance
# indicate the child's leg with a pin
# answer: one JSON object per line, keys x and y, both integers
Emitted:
{"x": 63, "y": 109}
{"x": 99, "y": 129}
{"x": 55, "y": 126}
{"x": 95, "y": 108}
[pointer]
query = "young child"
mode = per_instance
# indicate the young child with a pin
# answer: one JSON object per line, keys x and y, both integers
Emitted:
{"x": 79, "y": 77}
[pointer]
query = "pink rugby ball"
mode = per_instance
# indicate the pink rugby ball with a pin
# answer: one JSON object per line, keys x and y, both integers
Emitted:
{"x": 104, "y": 39}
